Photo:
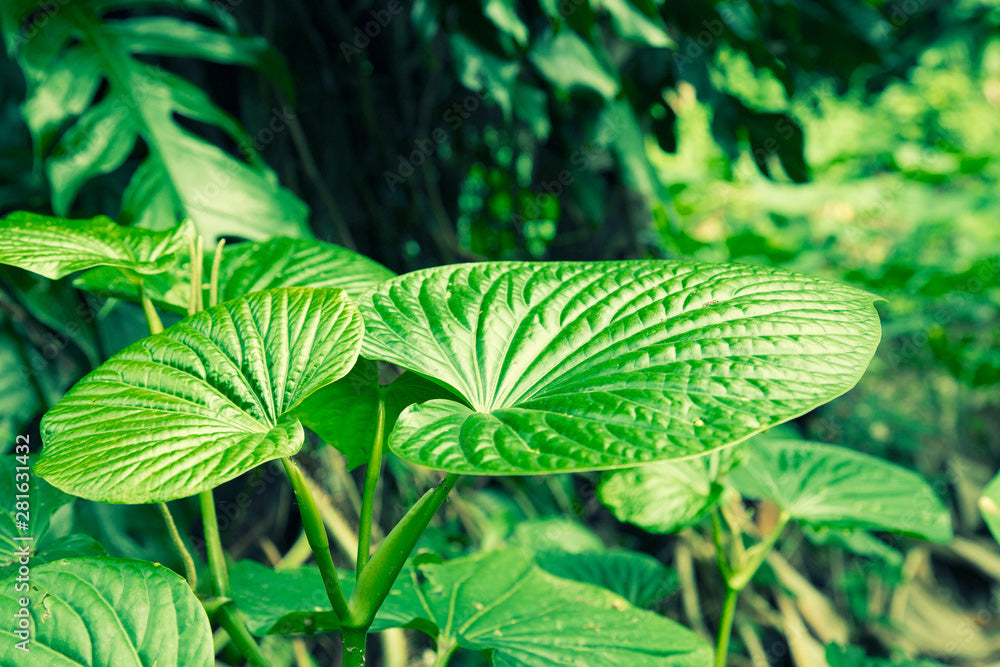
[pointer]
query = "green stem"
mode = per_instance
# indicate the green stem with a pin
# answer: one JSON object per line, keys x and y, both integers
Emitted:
{"x": 444, "y": 652}
{"x": 371, "y": 482}
{"x": 312, "y": 524}
{"x": 213, "y": 545}
{"x": 380, "y": 574}
{"x": 232, "y": 622}
{"x": 726, "y": 626}
{"x": 190, "y": 571}
{"x": 355, "y": 646}
{"x": 229, "y": 617}
{"x": 213, "y": 282}
{"x": 152, "y": 317}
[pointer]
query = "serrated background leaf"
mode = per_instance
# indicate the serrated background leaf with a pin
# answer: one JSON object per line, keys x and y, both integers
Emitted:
{"x": 825, "y": 485}
{"x": 501, "y": 601}
{"x": 107, "y": 611}
{"x": 201, "y": 403}
{"x": 56, "y": 247}
{"x": 584, "y": 366}
{"x": 640, "y": 579}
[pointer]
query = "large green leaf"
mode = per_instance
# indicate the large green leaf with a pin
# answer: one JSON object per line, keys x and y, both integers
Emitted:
{"x": 825, "y": 485}
{"x": 105, "y": 611}
{"x": 345, "y": 413}
{"x": 56, "y": 247}
{"x": 250, "y": 267}
{"x": 203, "y": 402}
{"x": 80, "y": 50}
{"x": 583, "y": 366}
{"x": 989, "y": 506}
{"x": 502, "y": 602}
{"x": 666, "y": 497}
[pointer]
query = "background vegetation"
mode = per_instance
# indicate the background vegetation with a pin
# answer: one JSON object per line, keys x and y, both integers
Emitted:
{"x": 853, "y": 140}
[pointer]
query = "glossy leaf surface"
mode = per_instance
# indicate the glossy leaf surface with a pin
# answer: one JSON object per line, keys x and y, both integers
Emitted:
{"x": 585, "y": 366}
{"x": 56, "y": 247}
{"x": 825, "y": 485}
{"x": 107, "y": 611}
{"x": 203, "y": 402}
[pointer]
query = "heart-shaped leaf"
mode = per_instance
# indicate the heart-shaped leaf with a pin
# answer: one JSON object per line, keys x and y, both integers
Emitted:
{"x": 666, "y": 497}
{"x": 56, "y": 247}
{"x": 825, "y": 485}
{"x": 989, "y": 506}
{"x": 104, "y": 611}
{"x": 249, "y": 267}
{"x": 502, "y": 602}
{"x": 203, "y": 402}
{"x": 585, "y": 366}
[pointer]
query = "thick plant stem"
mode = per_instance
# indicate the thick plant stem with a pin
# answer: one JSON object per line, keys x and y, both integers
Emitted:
{"x": 190, "y": 571}
{"x": 213, "y": 545}
{"x": 371, "y": 481}
{"x": 726, "y": 626}
{"x": 444, "y": 652}
{"x": 312, "y": 524}
{"x": 231, "y": 620}
{"x": 152, "y": 317}
{"x": 213, "y": 281}
{"x": 355, "y": 646}
{"x": 228, "y": 616}
{"x": 380, "y": 574}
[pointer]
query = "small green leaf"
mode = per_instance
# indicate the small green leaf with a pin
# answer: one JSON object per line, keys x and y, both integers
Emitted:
{"x": 989, "y": 506}
{"x": 586, "y": 366}
{"x": 105, "y": 611}
{"x": 203, "y": 402}
{"x": 666, "y": 497}
{"x": 825, "y": 485}
{"x": 568, "y": 62}
{"x": 640, "y": 579}
{"x": 56, "y": 247}
{"x": 345, "y": 413}
{"x": 632, "y": 24}
{"x": 502, "y": 602}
